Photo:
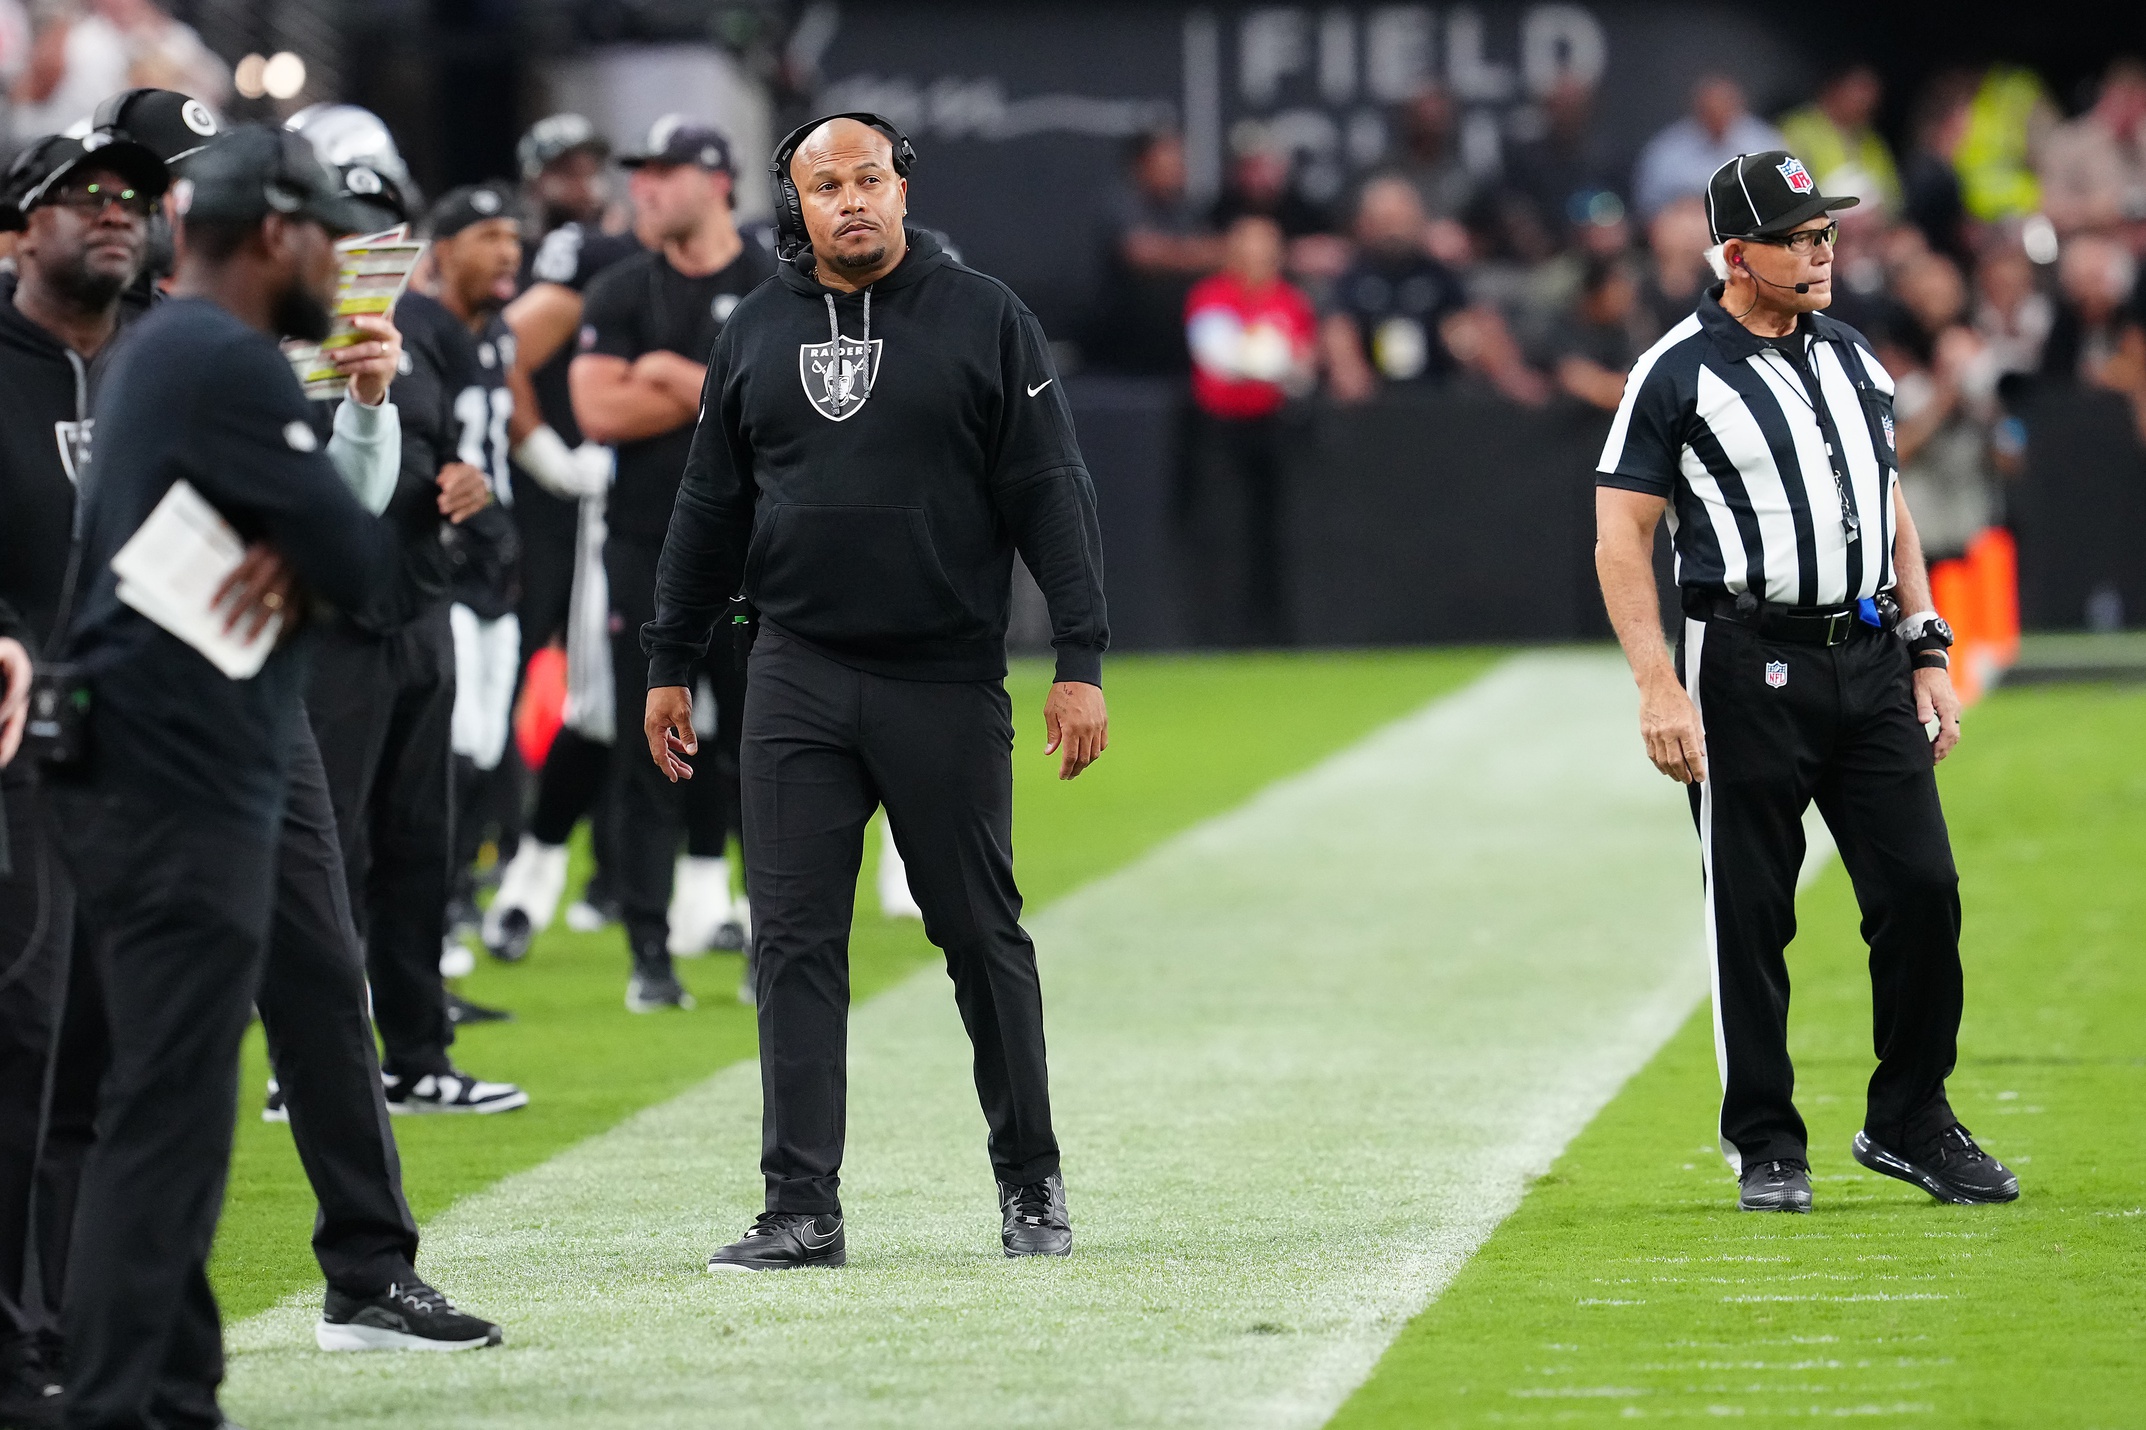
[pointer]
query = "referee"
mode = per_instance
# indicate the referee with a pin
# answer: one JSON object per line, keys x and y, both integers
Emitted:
{"x": 881, "y": 430}
{"x": 1766, "y": 430}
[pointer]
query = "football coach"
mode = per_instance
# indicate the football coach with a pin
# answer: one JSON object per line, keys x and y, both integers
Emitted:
{"x": 880, "y": 431}
{"x": 1810, "y": 667}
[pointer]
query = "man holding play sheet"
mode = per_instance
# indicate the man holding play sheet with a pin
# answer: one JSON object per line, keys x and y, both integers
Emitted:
{"x": 169, "y": 822}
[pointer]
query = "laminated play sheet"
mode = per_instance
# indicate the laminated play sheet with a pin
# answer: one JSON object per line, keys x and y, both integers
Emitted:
{"x": 376, "y": 268}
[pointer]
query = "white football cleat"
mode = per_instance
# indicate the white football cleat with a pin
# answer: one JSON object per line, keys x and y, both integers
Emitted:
{"x": 700, "y": 902}
{"x": 528, "y": 896}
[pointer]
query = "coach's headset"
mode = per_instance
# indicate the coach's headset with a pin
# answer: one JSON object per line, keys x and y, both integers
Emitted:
{"x": 791, "y": 239}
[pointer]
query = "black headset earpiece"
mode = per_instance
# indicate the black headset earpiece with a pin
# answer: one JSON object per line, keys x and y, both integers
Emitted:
{"x": 791, "y": 240}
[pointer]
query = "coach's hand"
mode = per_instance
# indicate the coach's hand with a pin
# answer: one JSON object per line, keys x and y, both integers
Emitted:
{"x": 370, "y": 365}
{"x": 1669, "y": 724}
{"x": 668, "y": 725}
{"x": 1075, "y": 721}
{"x": 463, "y": 491}
{"x": 14, "y": 695}
{"x": 257, "y": 588}
{"x": 1935, "y": 699}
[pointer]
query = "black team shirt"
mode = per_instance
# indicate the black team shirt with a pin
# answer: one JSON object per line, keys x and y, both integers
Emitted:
{"x": 196, "y": 395}
{"x": 571, "y": 256}
{"x": 639, "y": 305}
{"x": 869, "y": 495}
{"x": 455, "y": 406}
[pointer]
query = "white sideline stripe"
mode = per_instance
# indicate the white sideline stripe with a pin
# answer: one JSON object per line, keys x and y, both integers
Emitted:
{"x": 1306, "y": 1056}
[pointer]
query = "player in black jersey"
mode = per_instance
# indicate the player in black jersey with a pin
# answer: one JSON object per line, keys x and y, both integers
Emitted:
{"x": 382, "y": 699}
{"x": 649, "y": 324}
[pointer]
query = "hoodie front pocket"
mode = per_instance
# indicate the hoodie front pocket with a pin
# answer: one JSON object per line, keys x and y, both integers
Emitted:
{"x": 854, "y": 574}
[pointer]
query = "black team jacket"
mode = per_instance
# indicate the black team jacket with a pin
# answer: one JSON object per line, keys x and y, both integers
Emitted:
{"x": 864, "y": 468}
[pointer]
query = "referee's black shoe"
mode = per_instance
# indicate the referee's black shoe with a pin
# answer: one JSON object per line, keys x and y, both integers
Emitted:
{"x": 1949, "y": 1167}
{"x": 407, "y": 1316}
{"x": 784, "y": 1241}
{"x": 1783, "y": 1186}
{"x": 1033, "y": 1219}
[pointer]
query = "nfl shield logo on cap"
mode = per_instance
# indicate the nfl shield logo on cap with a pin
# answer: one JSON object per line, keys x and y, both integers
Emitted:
{"x": 1799, "y": 178}
{"x": 1777, "y": 673}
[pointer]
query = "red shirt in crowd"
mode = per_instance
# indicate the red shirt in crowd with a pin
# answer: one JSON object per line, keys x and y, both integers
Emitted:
{"x": 1250, "y": 346}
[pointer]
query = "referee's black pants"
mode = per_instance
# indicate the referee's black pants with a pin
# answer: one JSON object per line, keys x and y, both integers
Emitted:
{"x": 1836, "y": 725}
{"x": 824, "y": 745}
{"x": 382, "y": 709}
{"x": 653, "y": 813}
{"x": 176, "y": 904}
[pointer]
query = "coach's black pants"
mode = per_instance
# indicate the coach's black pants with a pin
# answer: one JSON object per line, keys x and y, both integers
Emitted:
{"x": 823, "y": 746}
{"x": 320, "y": 1042}
{"x": 1786, "y": 724}
{"x": 653, "y": 812}
{"x": 383, "y": 710}
{"x": 36, "y": 932}
{"x": 176, "y": 904}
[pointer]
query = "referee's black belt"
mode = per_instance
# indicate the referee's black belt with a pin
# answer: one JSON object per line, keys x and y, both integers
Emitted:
{"x": 1797, "y": 625}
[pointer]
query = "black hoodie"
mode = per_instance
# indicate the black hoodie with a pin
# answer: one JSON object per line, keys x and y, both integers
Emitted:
{"x": 868, "y": 496}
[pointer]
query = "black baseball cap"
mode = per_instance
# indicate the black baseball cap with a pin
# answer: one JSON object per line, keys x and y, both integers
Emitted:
{"x": 254, "y": 170}
{"x": 554, "y": 137}
{"x": 164, "y": 121}
{"x": 471, "y": 204}
{"x": 675, "y": 139}
{"x": 1765, "y": 195}
{"x": 39, "y": 168}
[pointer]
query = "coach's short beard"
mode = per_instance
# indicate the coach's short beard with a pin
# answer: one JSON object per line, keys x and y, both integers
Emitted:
{"x": 863, "y": 263}
{"x": 300, "y": 314}
{"x": 84, "y": 288}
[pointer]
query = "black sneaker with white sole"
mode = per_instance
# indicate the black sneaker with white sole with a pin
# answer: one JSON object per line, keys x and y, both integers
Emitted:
{"x": 410, "y": 1316}
{"x": 450, "y": 1091}
{"x": 274, "y": 1110}
{"x": 784, "y": 1241}
{"x": 653, "y": 985}
{"x": 1783, "y": 1186}
{"x": 1949, "y": 1167}
{"x": 1033, "y": 1220}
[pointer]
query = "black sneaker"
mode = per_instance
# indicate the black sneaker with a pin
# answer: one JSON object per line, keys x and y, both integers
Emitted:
{"x": 514, "y": 937}
{"x": 783, "y": 1241}
{"x": 31, "y": 1397}
{"x": 1949, "y": 1167}
{"x": 1034, "y": 1221}
{"x": 1775, "y": 1187}
{"x": 653, "y": 986}
{"x": 461, "y": 1012}
{"x": 451, "y": 1091}
{"x": 274, "y": 1110}
{"x": 407, "y": 1317}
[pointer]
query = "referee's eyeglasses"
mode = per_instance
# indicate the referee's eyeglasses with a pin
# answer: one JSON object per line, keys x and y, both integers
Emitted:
{"x": 1803, "y": 240}
{"x": 90, "y": 198}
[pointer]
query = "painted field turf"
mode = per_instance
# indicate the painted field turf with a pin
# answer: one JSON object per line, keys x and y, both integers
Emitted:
{"x": 1306, "y": 1056}
{"x": 1627, "y": 1288}
{"x": 1191, "y": 736}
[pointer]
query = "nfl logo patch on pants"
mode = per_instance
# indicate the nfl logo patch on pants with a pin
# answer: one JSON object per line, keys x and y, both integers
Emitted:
{"x": 1777, "y": 673}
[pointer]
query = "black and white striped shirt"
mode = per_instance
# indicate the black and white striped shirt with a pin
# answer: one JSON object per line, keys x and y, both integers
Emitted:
{"x": 1779, "y": 482}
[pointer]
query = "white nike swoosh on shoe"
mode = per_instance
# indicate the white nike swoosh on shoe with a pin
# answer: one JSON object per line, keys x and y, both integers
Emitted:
{"x": 1041, "y": 385}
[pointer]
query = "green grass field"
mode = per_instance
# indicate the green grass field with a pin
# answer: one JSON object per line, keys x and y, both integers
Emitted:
{"x": 1624, "y": 1286}
{"x": 1627, "y": 1287}
{"x": 1191, "y": 737}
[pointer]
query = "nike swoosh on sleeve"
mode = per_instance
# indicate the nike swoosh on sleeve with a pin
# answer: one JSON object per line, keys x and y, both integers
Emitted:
{"x": 1041, "y": 385}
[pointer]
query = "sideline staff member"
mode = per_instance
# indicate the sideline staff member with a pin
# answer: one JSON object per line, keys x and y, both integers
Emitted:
{"x": 170, "y": 835}
{"x": 881, "y": 429}
{"x": 1771, "y": 429}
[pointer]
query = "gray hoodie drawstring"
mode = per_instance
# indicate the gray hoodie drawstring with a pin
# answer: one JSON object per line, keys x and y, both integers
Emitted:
{"x": 834, "y": 334}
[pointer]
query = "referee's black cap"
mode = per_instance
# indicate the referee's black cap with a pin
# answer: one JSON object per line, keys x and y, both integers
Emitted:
{"x": 471, "y": 204}
{"x": 1763, "y": 195}
{"x": 675, "y": 139}
{"x": 254, "y": 170}
{"x": 33, "y": 174}
{"x": 165, "y": 121}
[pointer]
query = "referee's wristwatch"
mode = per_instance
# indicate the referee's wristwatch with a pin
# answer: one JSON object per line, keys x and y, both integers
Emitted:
{"x": 1928, "y": 639}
